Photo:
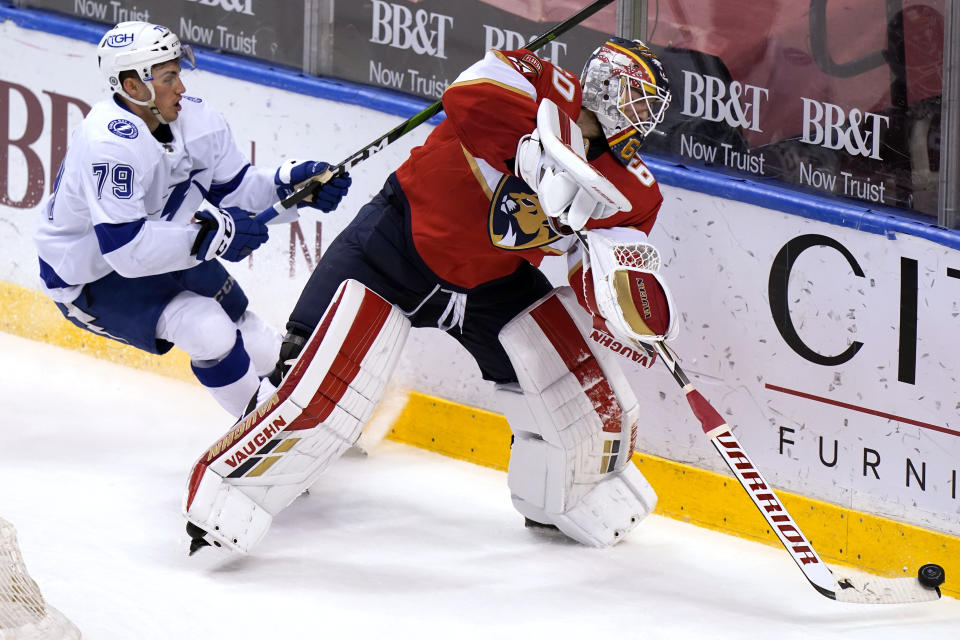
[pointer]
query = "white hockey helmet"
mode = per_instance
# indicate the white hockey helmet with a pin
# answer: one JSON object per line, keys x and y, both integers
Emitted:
{"x": 625, "y": 85}
{"x": 137, "y": 47}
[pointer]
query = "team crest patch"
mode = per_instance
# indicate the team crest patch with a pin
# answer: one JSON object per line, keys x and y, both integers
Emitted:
{"x": 516, "y": 221}
{"x": 532, "y": 63}
{"x": 119, "y": 40}
{"x": 123, "y": 128}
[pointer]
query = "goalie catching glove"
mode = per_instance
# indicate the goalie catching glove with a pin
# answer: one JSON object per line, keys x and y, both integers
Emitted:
{"x": 623, "y": 289}
{"x": 231, "y": 234}
{"x": 553, "y": 161}
{"x": 293, "y": 175}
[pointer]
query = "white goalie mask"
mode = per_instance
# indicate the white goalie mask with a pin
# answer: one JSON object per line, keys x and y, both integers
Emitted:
{"x": 624, "y": 84}
{"x": 138, "y": 47}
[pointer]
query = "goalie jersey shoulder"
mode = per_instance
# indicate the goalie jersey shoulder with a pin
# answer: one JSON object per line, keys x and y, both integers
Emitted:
{"x": 638, "y": 184}
{"x": 549, "y": 80}
{"x": 523, "y": 72}
{"x": 497, "y": 72}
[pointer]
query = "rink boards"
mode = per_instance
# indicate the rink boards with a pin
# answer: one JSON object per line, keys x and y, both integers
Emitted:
{"x": 822, "y": 333}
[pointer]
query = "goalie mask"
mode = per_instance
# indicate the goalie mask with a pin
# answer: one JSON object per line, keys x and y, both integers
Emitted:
{"x": 625, "y": 85}
{"x": 138, "y": 47}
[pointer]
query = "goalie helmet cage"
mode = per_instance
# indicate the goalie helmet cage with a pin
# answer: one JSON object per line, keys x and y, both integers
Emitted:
{"x": 24, "y": 614}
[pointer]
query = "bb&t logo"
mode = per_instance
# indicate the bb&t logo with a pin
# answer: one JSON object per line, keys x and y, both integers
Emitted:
{"x": 857, "y": 132}
{"x": 708, "y": 97}
{"x": 422, "y": 31}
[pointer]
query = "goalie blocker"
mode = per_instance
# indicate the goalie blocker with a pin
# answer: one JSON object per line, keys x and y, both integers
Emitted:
{"x": 319, "y": 409}
{"x": 574, "y": 420}
{"x": 553, "y": 160}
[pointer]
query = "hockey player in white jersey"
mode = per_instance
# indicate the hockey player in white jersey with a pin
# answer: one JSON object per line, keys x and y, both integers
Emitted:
{"x": 153, "y": 191}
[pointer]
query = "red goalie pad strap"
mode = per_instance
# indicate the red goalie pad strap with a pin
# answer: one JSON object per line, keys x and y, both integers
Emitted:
{"x": 581, "y": 281}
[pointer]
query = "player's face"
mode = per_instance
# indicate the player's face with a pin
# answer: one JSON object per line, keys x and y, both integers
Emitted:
{"x": 168, "y": 88}
{"x": 632, "y": 103}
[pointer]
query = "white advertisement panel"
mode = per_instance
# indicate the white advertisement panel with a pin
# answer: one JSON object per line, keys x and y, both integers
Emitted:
{"x": 828, "y": 349}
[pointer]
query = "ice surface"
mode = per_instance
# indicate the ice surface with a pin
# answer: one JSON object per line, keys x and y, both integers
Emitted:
{"x": 403, "y": 543}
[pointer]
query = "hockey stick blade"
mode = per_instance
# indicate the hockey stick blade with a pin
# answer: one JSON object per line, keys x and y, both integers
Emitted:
{"x": 415, "y": 121}
{"x": 869, "y": 590}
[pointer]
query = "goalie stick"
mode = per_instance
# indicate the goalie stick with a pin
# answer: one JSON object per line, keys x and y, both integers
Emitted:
{"x": 872, "y": 590}
{"x": 410, "y": 124}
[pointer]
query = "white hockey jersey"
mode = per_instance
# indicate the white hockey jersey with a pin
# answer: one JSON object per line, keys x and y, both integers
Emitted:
{"x": 124, "y": 201}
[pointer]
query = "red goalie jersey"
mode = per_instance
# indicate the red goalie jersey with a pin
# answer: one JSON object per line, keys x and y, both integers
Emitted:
{"x": 472, "y": 220}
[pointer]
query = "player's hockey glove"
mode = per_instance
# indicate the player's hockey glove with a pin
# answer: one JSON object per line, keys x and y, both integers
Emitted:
{"x": 230, "y": 234}
{"x": 293, "y": 174}
{"x": 623, "y": 289}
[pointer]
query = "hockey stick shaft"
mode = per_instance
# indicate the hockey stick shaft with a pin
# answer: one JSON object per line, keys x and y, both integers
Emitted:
{"x": 729, "y": 448}
{"x": 411, "y": 123}
{"x": 742, "y": 467}
{"x": 821, "y": 577}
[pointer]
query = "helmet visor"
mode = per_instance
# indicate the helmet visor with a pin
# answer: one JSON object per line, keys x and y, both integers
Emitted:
{"x": 188, "y": 61}
{"x": 185, "y": 61}
{"x": 642, "y": 103}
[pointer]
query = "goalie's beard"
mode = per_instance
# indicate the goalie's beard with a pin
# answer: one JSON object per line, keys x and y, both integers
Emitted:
{"x": 596, "y": 147}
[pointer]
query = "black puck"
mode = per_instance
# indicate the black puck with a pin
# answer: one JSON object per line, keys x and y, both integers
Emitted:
{"x": 931, "y": 575}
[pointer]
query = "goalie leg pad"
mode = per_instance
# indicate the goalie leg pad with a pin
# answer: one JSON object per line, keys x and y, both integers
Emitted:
{"x": 574, "y": 427}
{"x": 610, "y": 509}
{"x": 317, "y": 412}
{"x": 229, "y": 515}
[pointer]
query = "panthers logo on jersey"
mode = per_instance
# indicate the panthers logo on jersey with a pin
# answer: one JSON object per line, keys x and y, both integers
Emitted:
{"x": 516, "y": 220}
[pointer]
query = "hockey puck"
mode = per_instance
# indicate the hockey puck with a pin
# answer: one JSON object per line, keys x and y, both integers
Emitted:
{"x": 931, "y": 575}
